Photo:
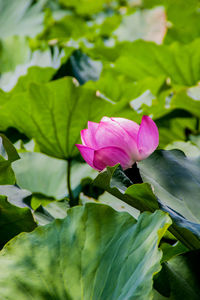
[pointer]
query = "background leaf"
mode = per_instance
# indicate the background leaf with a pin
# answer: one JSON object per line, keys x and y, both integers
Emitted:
{"x": 13, "y": 220}
{"x": 9, "y": 59}
{"x": 144, "y": 59}
{"x": 39, "y": 173}
{"x": 149, "y": 25}
{"x": 179, "y": 277}
{"x": 179, "y": 13}
{"x": 141, "y": 196}
{"x": 20, "y": 18}
{"x": 85, "y": 6}
{"x": 8, "y": 155}
{"x": 175, "y": 181}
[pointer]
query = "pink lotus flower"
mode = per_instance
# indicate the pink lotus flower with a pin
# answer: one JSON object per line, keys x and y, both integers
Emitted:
{"x": 118, "y": 140}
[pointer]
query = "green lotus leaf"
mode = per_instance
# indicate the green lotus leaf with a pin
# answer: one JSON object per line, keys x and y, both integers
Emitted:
{"x": 94, "y": 253}
{"x": 178, "y": 62}
{"x": 142, "y": 197}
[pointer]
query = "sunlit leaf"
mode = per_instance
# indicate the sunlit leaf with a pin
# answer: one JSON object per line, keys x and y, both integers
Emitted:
{"x": 74, "y": 251}
{"x": 55, "y": 113}
{"x": 144, "y": 59}
{"x": 39, "y": 173}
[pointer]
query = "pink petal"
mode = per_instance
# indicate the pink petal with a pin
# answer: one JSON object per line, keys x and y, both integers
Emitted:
{"x": 88, "y": 135}
{"x": 129, "y": 126}
{"x": 87, "y": 154}
{"x": 110, "y": 156}
{"x": 110, "y": 133}
{"x": 132, "y": 129}
{"x": 148, "y": 137}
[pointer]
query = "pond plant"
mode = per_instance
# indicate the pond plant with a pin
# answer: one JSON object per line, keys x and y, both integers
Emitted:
{"x": 99, "y": 150}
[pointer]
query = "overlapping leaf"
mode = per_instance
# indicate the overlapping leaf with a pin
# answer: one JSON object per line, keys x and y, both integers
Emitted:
{"x": 8, "y": 155}
{"x": 41, "y": 174}
{"x": 94, "y": 253}
{"x": 180, "y": 63}
{"x": 179, "y": 278}
{"x": 188, "y": 99}
{"x": 20, "y": 18}
{"x": 13, "y": 220}
{"x": 175, "y": 179}
{"x": 142, "y": 197}
{"x": 54, "y": 114}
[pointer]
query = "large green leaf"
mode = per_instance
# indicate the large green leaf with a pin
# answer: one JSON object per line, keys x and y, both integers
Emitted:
{"x": 54, "y": 100}
{"x": 94, "y": 253}
{"x": 55, "y": 113}
{"x": 175, "y": 179}
{"x": 13, "y": 220}
{"x": 143, "y": 59}
{"x": 141, "y": 196}
{"x": 43, "y": 174}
